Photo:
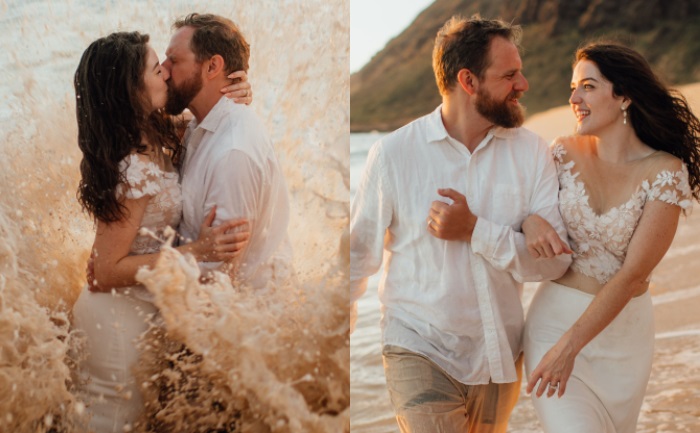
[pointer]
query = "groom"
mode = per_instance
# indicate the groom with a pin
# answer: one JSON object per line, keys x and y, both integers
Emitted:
{"x": 440, "y": 205}
{"x": 229, "y": 160}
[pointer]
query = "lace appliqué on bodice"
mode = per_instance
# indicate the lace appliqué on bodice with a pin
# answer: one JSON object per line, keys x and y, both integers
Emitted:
{"x": 600, "y": 242}
{"x": 145, "y": 178}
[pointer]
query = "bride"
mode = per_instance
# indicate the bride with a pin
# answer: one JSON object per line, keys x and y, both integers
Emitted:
{"x": 625, "y": 178}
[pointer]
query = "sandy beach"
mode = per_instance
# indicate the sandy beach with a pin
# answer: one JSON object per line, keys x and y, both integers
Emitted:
{"x": 672, "y": 402}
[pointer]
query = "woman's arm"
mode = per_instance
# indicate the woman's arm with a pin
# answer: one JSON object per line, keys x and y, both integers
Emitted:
{"x": 240, "y": 91}
{"x": 114, "y": 267}
{"x": 541, "y": 238}
{"x": 651, "y": 240}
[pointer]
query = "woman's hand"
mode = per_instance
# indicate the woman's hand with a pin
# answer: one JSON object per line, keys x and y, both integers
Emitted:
{"x": 541, "y": 238}
{"x": 554, "y": 369}
{"x": 240, "y": 91}
{"x": 219, "y": 244}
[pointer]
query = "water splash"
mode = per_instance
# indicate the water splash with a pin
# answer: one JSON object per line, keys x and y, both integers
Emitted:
{"x": 262, "y": 355}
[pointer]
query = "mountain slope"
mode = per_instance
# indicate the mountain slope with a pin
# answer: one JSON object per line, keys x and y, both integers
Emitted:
{"x": 398, "y": 84}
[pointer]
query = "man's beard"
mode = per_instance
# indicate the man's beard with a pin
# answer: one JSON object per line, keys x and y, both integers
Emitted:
{"x": 180, "y": 97}
{"x": 500, "y": 113}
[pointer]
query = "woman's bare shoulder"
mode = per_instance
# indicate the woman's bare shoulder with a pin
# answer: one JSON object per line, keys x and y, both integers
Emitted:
{"x": 664, "y": 161}
{"x": 573, "y": 146}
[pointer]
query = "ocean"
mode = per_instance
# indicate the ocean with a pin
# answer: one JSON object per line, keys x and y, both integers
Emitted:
{"x": 282, "y": 360}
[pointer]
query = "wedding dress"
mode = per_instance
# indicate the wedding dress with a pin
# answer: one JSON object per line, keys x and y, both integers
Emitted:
{"x": 112, "y": 322}
{"x": 605, "y": 391}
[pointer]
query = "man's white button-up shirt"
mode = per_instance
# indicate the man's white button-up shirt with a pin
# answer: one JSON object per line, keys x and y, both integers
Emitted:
{"x": 457, "y": 303}
{"x": 230, "y": 162}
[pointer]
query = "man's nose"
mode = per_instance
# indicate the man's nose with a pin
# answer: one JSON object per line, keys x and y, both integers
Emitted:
{"x": 522, "y": 84}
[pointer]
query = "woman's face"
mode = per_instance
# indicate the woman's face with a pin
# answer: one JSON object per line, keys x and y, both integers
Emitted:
{"x": 592, "y": 100}
{"x": 154, "y": 82}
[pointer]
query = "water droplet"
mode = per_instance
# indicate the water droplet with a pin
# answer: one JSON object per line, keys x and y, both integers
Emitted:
{"x": 80, "y": 408}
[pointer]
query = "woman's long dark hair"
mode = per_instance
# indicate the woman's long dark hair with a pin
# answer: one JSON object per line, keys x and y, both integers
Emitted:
{"x": 113, "y": 119}
{"x": 660, "y": 116}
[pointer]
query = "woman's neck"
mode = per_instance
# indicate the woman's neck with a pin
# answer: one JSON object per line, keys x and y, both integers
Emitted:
{"x": 620, "y": 145}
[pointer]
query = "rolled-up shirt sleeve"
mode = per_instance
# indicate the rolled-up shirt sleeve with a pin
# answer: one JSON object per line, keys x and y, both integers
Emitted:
{"x": 371, "y": 213}
{"x": 505, "y": 248}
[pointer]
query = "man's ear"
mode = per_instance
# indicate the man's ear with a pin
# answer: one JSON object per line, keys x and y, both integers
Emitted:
{"x": 215, "y": 66}
{"x": 467, "y": 81}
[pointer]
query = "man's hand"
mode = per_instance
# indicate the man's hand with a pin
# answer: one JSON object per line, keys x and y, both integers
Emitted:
{"x": 451, "y": 222}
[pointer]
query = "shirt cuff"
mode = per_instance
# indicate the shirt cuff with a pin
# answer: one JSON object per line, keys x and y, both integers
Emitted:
{"x": 357, "y": 289}
{"x": 484, "y": 237}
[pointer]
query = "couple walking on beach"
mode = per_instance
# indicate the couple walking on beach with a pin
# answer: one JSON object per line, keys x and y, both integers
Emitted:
{"x": 463, "y": 206}
{"x": 223, "y": 188}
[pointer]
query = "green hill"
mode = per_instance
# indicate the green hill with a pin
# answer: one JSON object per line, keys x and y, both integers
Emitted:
{"x": 398, "y": 85}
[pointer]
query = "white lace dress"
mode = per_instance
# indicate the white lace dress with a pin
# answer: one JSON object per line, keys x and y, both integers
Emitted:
{"x": 112, "y": 322}
{"x": 605, "y": 391}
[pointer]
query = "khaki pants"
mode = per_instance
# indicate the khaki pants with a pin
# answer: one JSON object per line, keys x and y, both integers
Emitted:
{"x": 428, "y": 400}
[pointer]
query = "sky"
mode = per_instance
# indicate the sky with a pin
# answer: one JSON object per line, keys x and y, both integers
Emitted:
{"x": 374, "y": 22}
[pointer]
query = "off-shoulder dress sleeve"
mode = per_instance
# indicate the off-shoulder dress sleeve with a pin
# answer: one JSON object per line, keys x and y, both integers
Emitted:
{"x": 558, "y": 151}
{"x": 142, "y": 177}
{"x": 670, "y": 187}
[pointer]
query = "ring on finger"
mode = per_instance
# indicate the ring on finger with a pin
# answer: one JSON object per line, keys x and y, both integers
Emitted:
{"x": 554, "y": 386}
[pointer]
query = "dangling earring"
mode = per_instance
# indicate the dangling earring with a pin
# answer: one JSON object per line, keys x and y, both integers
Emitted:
{"x": 624, "y": 115}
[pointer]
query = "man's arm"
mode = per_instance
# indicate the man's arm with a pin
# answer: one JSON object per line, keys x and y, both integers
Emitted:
{"x": 234, "y": 190}
{"x": 504, "y": 248}
{"x": 370, "y": 216}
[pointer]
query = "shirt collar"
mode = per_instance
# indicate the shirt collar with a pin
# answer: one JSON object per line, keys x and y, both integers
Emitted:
{"x": 503, "y": 132}
{"x": 212, "y": 120}
{"x": 436, "y": 129}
